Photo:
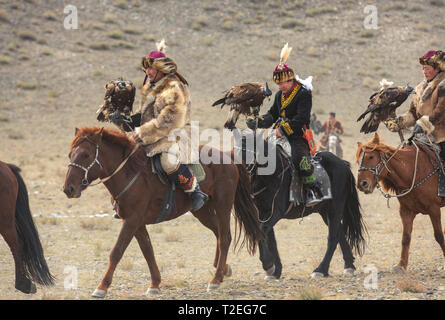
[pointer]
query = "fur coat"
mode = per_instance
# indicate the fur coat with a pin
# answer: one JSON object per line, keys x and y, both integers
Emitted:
{"x": 165, "y": 116}
{"x": 429, "y": 101}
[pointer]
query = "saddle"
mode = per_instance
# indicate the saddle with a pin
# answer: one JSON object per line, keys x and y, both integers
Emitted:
{"x": 432, "y": 150}
{"x": 169, "y": 203}
{"x": 296, "y": 191}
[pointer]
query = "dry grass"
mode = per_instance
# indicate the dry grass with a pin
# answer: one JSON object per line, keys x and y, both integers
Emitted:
{"x": 27, "y": 85}
{"x": 410, "y": 285}
{"x": 310, "y": 293}
{"x": 313, "y": 12}
{"x": 4, "y": 60}
{"x": 94, "y": 224}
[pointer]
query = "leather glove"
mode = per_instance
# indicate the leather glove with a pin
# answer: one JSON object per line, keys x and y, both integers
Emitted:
{"x": 116, "y": 118}
{"x": 417, "y": 129}
{"x": 251, "y": 123}
{"x": 393, "y": 125}
{"x": 425, "y": 123}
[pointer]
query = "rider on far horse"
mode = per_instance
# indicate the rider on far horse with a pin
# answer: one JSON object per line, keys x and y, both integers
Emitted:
{"x": 290, "y": 114}
{"x": 427, "y": 110}
{"x": 165, "y": 110}
{"x": 331, "y": 126}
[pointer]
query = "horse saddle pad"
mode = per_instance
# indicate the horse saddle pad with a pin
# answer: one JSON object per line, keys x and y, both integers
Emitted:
{"x": 296, "y": 190}
{"x": 195, "y": 168}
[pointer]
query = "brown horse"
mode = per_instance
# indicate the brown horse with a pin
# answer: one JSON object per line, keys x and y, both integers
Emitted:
{"x": 101, "y": 151}
{"x": 18, "y": 229}
{"x": 414, "y": 186}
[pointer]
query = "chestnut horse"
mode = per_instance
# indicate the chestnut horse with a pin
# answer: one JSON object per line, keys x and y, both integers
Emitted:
{"x": 414, "y": 186}
{"x": 100, "y": 152}
{"x": 18, "y": 229}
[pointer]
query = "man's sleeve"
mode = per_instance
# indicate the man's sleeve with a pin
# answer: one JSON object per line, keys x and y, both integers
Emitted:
{"x": 438, "y": 115}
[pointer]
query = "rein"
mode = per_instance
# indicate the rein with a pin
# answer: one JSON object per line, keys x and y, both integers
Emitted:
{"x": 96, "y": 160}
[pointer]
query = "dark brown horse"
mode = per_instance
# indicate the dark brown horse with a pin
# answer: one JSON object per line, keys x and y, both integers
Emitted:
{"x": 415, "y": 186}
{"x": 18, "y": 229}
{"x": 101, "y": 151}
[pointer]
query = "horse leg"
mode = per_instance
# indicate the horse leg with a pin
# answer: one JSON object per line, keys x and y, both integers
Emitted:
{"x": 22, "y": 283}
{"x": 127, "y": 232}
{"x": 334, "y": 229}
{"x": 224, "y": 239}
{"x": 437, "y": 227}
{"x": 348, "y": 257}
{"x": 269, "y": 255}
{"x": 147, "y": 250}
{"x": 407, "y": 217}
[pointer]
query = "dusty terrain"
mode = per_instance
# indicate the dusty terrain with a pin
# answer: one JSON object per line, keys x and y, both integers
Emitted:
{"x": 52, "y": 81}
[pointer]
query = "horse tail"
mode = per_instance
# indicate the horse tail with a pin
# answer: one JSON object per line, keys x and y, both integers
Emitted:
{"x": 34, "y": 262}
{"x": 353, "y": 224}
{"x": 246, "y": 213}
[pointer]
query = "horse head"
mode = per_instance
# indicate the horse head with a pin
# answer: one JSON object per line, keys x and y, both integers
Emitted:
{"x": 84, "y": 166}
{"x": 371, "y": 164}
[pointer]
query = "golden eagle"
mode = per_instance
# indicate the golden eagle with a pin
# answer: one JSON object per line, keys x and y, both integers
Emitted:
{"x": 118, "y": 100}
{"x": 383, "y": 104}
{"x": 244, "y": 98}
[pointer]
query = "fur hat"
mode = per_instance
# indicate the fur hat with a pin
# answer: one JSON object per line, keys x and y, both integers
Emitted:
{"x": 434, "y": 58}
{"x": 282, "y": 71}
{"x": 158, "y": 60}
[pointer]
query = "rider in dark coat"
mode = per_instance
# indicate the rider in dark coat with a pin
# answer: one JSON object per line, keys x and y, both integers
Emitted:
{"x": 291, "y": 113}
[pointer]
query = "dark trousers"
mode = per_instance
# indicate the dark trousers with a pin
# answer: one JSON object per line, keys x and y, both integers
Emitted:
{"x": 442, "y": 150}
{"x": 300, "y": 158}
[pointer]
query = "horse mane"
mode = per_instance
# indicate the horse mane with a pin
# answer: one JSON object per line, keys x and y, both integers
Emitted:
{"x": 113, "y": 136}
{"x": 138, "y": 161}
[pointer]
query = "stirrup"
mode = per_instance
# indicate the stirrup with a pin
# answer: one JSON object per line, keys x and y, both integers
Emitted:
{"x": 198, "y": 198}
{"x": 311, "y": 198}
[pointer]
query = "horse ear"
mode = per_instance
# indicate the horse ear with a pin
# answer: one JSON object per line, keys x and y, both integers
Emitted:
{"x": 376, "y": 138}
{"x": 76, "y": 130}
{"x": 100, "y": 134}
{"x": 359, "y": 144}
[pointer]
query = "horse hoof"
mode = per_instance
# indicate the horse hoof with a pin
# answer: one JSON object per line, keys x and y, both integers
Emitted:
{"x": 212, "y": 286}
{"x": 270, "y": 278}
{"x": 270, "y": 271}
{"x": 399, "y": 270}
{"x": 315, "y": 275}
{"x": 98, "y": 293}
{"x": 152, "y": 291}
{"x": 349, "y": 272}
{"x": 228, "y": 271}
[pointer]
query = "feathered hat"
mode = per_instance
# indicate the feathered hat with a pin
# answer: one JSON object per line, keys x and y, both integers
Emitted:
{"x": 282, "y": 71}
{"x": 158, "y": 60}
{"x": 434, "y": 58}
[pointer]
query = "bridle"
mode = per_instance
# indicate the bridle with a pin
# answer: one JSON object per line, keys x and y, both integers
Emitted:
{"x": 378, "y": 169}
{"x": 85, "y": 182}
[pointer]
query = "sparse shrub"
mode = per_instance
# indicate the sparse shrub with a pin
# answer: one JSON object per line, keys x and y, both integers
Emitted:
{"x": 50, "y": 15}
{"x": 14, "y": 135}
{"x": 13, "y": 46}
{"x": 310, "y": 293}
{"x": 199, "y": 22}
{"x": 110, "y": 18}
{"x": 368, "y": 33}
{"x": 437, "y": 3}
{"x": 228, "y": 25}
{"x": 3, "y": 16}
{"x": 123, "y": 44}
{"x": 26, "y": 35}
{"x": 291, "y": 23}
{"x": 115, "y": 35}
{"x": 410, "y": 285}
{"x": 312, "y": 12}
{"x": 149, "y": 37}
{"x": 25, "y": 85}
{"x": 133, "y": 30}
{"x": 4, "y": 60}
{"x": 99, "y": 46}
{"x": 370, "y": 83}
{"x": 121, "y": 4}
{"x": 395, "y": 6}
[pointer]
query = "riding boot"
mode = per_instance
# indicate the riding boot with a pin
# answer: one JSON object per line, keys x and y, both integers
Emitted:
{"x": 185, "y": 180}
{"x": 313, "y": 194}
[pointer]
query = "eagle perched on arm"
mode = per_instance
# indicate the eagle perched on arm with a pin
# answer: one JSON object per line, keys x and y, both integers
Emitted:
{"x": 383, "y": 104}
{"x": 243, "y": 99}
